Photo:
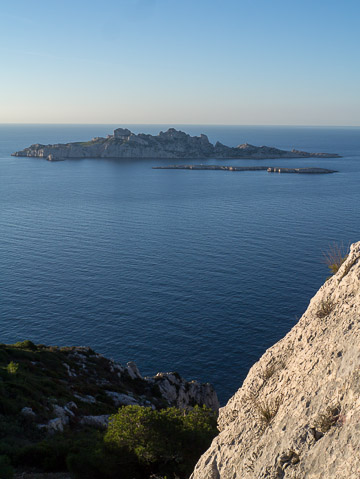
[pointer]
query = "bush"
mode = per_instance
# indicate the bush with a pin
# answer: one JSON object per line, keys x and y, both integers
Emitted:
{"x": 139, "y": 443}
{"x": 83, "y": 453}
{"x": 27, "y": 344}
{"x": 12, "y": 368}
{"x": 100, "y": 463}
{"x": 167, "y": 442}
{"x": 6, "y": 470}
{"x": 48, "y": 455}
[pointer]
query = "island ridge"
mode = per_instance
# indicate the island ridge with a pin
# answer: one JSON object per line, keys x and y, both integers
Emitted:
{"x": 170, "y": 144}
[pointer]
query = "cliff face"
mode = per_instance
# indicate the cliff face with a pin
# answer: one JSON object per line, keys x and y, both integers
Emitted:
{"x": 170, "y": 144}
{"x": 297, "y": 414}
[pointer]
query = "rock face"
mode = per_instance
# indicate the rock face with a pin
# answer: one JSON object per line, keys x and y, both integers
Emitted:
{"x": 181, "y": 393}
{"x": 297, "y": 414}
{"x": 171, "y": 144}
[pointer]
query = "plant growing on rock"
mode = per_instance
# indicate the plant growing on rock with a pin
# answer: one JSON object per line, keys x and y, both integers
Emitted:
{"x": 327, "y": 419}
{"x": 335, "y": 257}
{"x": 265, "y": 409}
{"x": 325, "y": 308}
{"x": 268, "y": 371}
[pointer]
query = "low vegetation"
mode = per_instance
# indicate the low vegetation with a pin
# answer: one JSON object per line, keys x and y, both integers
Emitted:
{"x": 327, "y": 419}
{"x": 335, "y": 257}
{"x": 268, "y": 372}
{"x": 325, "y": 308}
{"x": 267, "y": 409}
{"x": 140, "y": 441}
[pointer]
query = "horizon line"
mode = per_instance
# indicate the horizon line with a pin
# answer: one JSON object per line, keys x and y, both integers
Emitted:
{"x": 185, "y": 124}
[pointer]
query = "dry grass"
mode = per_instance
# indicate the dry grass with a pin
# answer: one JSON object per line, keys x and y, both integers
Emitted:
{"x": 325, "y": 308}
{"x": 327, "y": 419}
{"x": 335, "y": 256}
{"x": 267, "y": 409}
{"x": 268, "y": 371}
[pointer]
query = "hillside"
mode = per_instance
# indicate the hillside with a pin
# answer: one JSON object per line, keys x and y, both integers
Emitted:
{"x": 55, "y": 405}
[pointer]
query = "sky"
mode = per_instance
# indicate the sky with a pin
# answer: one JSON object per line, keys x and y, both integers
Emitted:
{"x": 231, "y": 62}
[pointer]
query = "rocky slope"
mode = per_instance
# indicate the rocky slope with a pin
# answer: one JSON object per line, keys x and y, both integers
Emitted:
{"x": 297, "y": 414}
{"x": 55, "y": 387}
{"x": 171, "y": 144}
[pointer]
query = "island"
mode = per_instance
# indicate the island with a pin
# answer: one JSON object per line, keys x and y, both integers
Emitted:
{"x": 269, "y": 169}
{"x": 170, "y": 144}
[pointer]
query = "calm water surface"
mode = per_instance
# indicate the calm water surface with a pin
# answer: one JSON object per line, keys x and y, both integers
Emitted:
{"x": 194, "y": 271}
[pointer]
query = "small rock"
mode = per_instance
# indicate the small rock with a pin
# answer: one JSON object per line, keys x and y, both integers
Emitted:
{"x": 87, "y": 399}
{"x": 133, "y": 371}
{"x": 27, "y": 411}
{"x": 100, "y": 422}
{"x": 121, "y": 399}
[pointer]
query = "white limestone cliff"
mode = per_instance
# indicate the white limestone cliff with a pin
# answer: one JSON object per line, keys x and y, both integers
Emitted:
{"x": 297, "y": 414}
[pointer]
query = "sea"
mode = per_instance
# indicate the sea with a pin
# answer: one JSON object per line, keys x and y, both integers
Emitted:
{"x": 197, "y": 272}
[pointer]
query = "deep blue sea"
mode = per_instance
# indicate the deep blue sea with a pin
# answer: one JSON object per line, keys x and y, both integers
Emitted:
{"x": 191, "y": 271}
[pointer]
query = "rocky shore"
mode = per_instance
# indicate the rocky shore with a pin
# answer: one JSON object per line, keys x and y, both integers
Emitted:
{"x": 60, "y": 405}
{"x": 170, "y": 144}
{"x": 246, "y": 168}
{"x": 90, "y": 387}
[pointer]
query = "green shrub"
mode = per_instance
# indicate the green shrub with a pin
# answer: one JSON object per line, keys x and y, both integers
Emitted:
{"x": 12, "y": 367}
{"x": 6, "y": 470}
{"x": 100, "y": 463}
{"x": 8, "y": 407}
{"x": 48, "y": 455}
{"x": 166, "y": 442}
{"x": 26, "y": 345}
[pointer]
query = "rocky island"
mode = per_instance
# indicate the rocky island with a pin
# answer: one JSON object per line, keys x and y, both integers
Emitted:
{"x": 170, "y": 144}
{"x": 269, "y": 169}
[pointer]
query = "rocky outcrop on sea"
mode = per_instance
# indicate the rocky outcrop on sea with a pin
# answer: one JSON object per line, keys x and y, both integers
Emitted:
{"x": 269, "y": 169}
{"x": 170, "y": 144}
{"x": 297, "y": 414}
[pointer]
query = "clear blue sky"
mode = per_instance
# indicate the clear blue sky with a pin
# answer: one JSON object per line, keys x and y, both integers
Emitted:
{"x": 280, "y": 62}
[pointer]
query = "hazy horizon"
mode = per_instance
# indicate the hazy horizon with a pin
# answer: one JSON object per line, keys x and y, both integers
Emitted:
{"x": 182, "y": 124}
{"x": 164, "y": 62}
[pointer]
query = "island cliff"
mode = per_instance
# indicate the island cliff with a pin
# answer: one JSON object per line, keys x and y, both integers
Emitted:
{"x": 170, "y": 144}
{"x": 297, "y": 414}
